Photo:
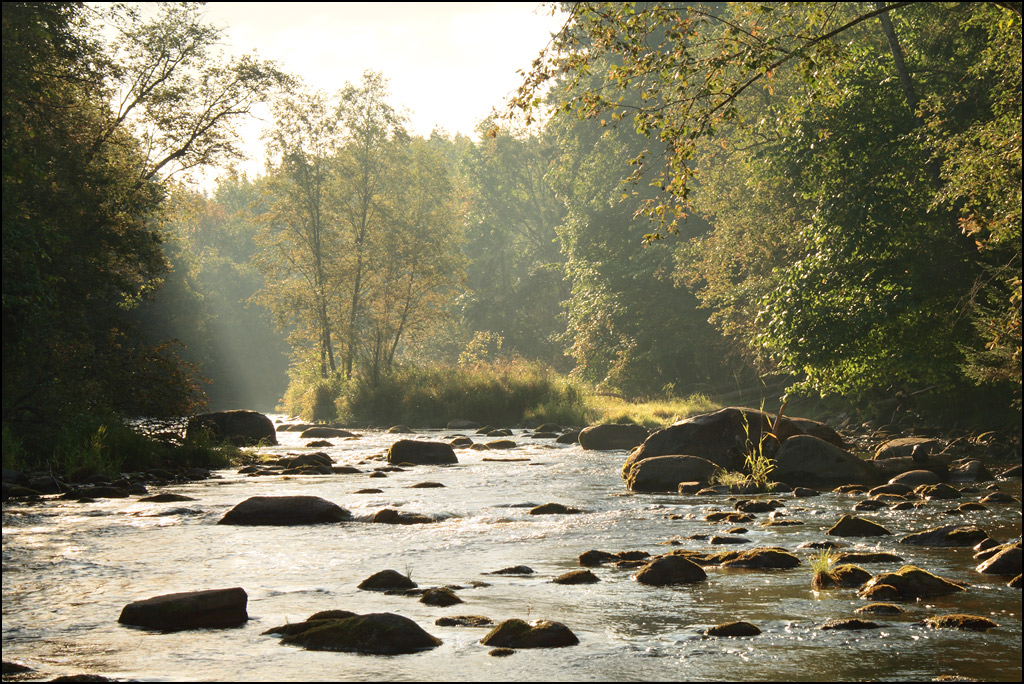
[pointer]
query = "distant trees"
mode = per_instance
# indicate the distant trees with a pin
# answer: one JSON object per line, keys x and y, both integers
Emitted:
{"x": 83, "y": 189}
{"x": 360, "y": 236}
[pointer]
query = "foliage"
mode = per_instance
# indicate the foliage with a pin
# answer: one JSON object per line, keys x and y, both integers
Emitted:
{"x": 102, "y": 444}
{"x": 822, "y": 562}
{"x": 206, "y": 299}
{"x": 845, "y": 171}
{"x": 654, "y": 414}
{"x": 83, "y": 191}
{"x": 359, "y": 245}
{"x": 629, "y": 329}
{"x": 515, "y": 278}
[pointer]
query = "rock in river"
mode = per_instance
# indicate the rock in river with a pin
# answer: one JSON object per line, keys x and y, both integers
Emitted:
{"x": 285, "y": 510}
{"x": 421, "y": 453}
{"x": 852, "y": 526}
{"x": 243, "y": 428}
{"x": 537, "y": 634}
{"x": 909, "y": 583}
{"x": 611, "y": 437}
{"x": 670, "y": 570}
{"x": 376, "y": 633}
{"x": 188, "y": 610}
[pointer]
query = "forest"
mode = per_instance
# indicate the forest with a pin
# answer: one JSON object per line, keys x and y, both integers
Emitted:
{"x": 680, "y": 200}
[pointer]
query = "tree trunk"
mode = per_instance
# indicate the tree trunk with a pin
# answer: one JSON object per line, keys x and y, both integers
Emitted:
{"x": 897, "y": 56}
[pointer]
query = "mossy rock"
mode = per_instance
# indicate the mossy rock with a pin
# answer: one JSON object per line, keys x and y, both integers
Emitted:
{"x": 844, "y": 576}
{"x": 910, "y": 583}
{"x": 974, "y": 623}
{"x": 375, "y": 633}
{"x": 852, "y": 526}
{"x": 517, "y": 633}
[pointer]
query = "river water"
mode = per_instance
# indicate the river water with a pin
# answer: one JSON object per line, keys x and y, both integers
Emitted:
{"x": 69, "y": 568}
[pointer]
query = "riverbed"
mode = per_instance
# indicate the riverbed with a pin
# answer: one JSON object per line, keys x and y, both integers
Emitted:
{"x": 70, "y": 567}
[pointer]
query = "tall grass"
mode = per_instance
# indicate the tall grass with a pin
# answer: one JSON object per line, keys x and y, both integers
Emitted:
{"x": 651, "y": 414}
{"x": 515, "y": 393}
{"x": 512, "y": 393}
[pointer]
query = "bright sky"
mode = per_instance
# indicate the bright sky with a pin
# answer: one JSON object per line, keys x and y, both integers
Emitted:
{"x": 448, "y": 63}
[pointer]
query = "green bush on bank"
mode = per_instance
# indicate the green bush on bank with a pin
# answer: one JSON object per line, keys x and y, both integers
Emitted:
{"x": 103, "y": 444}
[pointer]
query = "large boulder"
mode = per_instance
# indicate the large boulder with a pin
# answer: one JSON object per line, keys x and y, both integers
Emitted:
{"x": 242, "y": 428}
{"x": 421, "y": 453}
{"x": 213, "y": 608}
{"x": 807, "y": 461}
{"x": 376, "y": 633}
{"x": 664, "y": 473}
{"x": 285, "y": 510}
{"x": 723, "y": 437}
{"x": 610, "y": 437}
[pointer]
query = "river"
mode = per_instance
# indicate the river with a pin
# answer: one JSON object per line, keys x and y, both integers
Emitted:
{"x": 69, "y": 568}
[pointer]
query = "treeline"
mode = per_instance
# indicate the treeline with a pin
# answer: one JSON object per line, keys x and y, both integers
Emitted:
{"x": 378, "y": 250}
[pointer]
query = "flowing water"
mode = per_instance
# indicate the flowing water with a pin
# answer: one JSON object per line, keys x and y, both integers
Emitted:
{"x": 69, "y": 568}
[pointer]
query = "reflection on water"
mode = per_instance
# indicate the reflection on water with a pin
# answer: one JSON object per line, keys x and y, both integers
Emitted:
{"x": 69, "y": 568}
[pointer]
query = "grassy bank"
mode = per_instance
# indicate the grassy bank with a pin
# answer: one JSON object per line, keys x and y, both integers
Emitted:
{"x": 509, "y": 394}
{"x": 651, "y": 414}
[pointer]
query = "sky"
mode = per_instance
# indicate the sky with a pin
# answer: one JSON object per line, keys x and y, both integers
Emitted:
{"x": 448, "y": 63}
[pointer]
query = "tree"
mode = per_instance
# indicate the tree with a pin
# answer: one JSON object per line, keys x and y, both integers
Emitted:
{"x": 828, "y": 146}
{"x": 301, "y": 244}
{"x": 371, "y": 130}
{"x": 82, "y": 197}
{"x": 415, "y": 264}
{"x": 515, "y": 279}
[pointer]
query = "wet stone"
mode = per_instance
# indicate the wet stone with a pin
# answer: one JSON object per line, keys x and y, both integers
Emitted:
{"x": 849, "y": 624}
{"x": 974, "y": 623}
{"x": 734, "y": 629}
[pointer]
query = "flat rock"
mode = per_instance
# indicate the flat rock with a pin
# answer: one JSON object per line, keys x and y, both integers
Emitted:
{"x": 554, "y": 509}
{"x": 213, "y": 608}
{"x": 285, "y": 510}
{"x": 946, "y": 535}
{"x": 974, "y": 623}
